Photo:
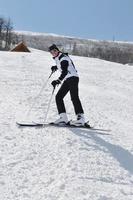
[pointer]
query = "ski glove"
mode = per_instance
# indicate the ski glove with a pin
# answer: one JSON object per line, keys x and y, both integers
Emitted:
{"x": 55, "y": 82}
{"x": 54, "y": 68}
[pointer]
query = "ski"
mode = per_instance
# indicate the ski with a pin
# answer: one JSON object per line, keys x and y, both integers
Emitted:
{"x": 34, "y": 124}
{"x": 31, "y": 124}
{"x": 44, "y": 125}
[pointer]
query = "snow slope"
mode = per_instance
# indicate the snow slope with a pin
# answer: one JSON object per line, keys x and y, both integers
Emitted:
{"x": 63, "y": 163}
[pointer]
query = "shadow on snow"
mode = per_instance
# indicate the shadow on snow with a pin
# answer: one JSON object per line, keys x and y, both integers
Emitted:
{"x": 123, "y": 156}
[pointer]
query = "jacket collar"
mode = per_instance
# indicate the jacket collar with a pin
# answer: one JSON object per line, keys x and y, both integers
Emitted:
{"x": 57, "y": 55}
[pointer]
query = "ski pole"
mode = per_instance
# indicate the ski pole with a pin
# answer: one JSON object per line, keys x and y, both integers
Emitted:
{"x": 35, "y": 99}
{"x": 49, "y": 103}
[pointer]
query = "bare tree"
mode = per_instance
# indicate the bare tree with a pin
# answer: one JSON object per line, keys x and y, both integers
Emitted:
{"x": 1, "y": 30}
{"x": 8, "y": 28}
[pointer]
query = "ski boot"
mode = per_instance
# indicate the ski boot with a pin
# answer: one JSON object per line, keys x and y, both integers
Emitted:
{"x": 80, "y": 120}
{"x": 62, "y": 120}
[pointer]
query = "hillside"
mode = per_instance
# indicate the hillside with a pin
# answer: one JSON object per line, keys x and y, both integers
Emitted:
{"x": 116, "y": 51}
{"x": 60, "y": 163}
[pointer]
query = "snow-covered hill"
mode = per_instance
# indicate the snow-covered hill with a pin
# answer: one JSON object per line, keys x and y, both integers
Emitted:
{"x": 61, "y": 163}
{"x": 116, "y": 51}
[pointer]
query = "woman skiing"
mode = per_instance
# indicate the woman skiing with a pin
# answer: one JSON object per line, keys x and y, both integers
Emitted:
{"x": 70, "y": 79}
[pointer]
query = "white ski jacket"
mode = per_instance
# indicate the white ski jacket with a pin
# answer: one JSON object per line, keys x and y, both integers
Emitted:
{"x": 66, "y": 66}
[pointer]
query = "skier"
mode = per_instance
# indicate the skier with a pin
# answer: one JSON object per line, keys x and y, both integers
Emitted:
{"x": 70, "y": 79}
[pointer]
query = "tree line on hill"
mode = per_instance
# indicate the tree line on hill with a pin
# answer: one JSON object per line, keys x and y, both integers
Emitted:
{"x": 121, "y": 52}
{"x": 114, "y": 51}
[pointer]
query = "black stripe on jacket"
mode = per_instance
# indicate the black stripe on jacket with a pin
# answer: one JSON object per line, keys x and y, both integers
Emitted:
{"x": 64, "y": 67}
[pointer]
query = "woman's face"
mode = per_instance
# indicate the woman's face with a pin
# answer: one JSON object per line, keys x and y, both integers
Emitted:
{"x": 54, "y": 52}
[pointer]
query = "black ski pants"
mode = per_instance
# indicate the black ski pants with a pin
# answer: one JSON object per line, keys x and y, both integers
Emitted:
{"x": 70, "y": 84}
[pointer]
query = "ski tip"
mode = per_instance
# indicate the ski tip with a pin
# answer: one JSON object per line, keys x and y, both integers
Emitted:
{"x": 17, "y": 123}
{"x": 21, "y": 124}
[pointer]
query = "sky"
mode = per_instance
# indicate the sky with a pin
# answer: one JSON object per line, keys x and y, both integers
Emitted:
{"x": 91, "y": 19}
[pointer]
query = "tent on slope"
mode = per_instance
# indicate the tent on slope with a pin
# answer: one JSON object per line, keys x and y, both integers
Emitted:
{"x": 21, "y": 47}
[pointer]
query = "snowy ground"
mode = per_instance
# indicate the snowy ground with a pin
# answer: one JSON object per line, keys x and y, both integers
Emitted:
{"x": 61, "y": 163}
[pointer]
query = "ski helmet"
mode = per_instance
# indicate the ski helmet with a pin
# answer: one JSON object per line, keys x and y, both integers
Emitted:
{"x": 52, "y": 47}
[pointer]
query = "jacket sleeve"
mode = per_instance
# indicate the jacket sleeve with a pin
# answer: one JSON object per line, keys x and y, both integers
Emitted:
{"x": 64, "y": 67}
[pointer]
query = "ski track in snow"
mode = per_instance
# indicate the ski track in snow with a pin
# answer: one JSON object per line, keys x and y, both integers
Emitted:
{"x": 64, "y": 163}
